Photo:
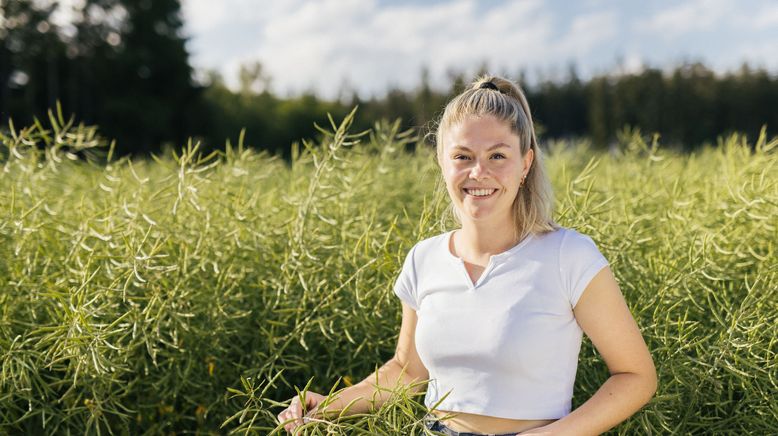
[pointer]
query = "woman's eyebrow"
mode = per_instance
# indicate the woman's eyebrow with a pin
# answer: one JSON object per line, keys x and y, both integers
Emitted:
{"x": 494, "y": 147}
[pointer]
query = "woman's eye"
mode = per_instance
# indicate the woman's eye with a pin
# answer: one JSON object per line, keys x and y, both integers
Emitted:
{"x": 498, "y": 156}
{"x": 460, "y": 157}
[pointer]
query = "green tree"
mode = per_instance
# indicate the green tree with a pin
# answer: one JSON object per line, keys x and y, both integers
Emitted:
{"x": 32, "y": 57}
{"x": 121, "y": 64}
{"x": 141, "y": 68}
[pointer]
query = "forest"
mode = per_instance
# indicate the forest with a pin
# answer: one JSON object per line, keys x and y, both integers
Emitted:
{"x": 123, "y": 65}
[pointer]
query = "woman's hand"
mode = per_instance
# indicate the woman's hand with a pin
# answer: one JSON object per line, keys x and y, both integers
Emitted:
{"x": 297, "y": 412}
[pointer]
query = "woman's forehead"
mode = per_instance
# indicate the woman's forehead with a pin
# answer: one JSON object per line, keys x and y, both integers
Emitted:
{"x": 481, "y": 132}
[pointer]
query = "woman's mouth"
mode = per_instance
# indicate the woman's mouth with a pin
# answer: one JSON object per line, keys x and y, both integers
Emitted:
{"x": 480, "y": 192}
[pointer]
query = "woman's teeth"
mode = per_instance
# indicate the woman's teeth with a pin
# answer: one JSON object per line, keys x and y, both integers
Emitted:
{"x": 480, "y": 192}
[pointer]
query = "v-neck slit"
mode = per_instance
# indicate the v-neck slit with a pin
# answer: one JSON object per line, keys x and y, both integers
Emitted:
{"x": 472, "y": 285}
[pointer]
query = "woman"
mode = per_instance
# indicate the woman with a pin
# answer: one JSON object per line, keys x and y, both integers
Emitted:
{"x": 494, "y": 312}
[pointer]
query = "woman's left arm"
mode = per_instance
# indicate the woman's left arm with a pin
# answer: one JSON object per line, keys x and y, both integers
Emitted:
{"x": 604, "y": 316}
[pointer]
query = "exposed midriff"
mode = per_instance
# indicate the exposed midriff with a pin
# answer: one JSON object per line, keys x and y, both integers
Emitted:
{"x": 468, "y": 422}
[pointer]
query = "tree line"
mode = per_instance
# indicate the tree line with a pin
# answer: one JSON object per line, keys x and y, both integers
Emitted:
{"x": 123, "y": 65}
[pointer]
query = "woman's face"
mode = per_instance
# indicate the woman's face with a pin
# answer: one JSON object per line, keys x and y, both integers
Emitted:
{"x": 482, "y": 165}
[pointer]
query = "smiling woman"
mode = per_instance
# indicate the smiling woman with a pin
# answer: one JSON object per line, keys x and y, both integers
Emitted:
{"x": 483, "y": 167}
{"x": 487, "y": 131}
{"x": 494, "y": 312}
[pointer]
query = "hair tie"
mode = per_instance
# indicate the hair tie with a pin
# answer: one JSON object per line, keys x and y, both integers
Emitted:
{"x": 489, "y": 85}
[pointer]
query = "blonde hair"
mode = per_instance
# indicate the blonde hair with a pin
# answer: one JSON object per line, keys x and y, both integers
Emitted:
{"x": 533, "y": 205}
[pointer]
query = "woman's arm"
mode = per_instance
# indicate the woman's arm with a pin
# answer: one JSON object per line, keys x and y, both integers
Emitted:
{"x": 367, "y": 394}
{"x": 404, "y": 368}
{"x": 604, "y": 316}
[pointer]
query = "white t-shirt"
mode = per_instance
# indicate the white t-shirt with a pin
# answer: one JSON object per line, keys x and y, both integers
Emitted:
{"x": 506, "y": 346}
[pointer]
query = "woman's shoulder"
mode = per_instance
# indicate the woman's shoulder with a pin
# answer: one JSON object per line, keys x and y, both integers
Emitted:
{"x": 565, "y": 242}
{"x": 562, "y": 234}
{"x": 550, "y": 237}
{"x": 573, "y": 245}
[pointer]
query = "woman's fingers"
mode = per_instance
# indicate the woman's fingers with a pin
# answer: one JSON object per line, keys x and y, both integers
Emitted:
{"x": 311, "y": 401}
{"x": 287, "y": 415}
{"x": 295, "y": 411}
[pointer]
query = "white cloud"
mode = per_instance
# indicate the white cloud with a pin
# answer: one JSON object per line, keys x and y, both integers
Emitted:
{"x": 321, "y": 45}
{"x": 767, "y": 17}
{"x": 633, "y": 63}
{"x": 204, "y": 15}
{"x": 586, "y": 32}
{"x": 324, "y": 43}
{"x": 760, "y": 54}
{"x": 687, "y": 17}
{"x": 207, "y": 15}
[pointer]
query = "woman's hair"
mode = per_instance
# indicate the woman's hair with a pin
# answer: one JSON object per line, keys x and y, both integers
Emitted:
{"x": 504, "y": 100}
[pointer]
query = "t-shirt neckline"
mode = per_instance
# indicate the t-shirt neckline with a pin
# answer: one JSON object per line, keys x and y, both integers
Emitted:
{"x": 506, "y": 253}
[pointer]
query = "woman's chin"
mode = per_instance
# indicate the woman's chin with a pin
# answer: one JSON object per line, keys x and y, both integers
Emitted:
{"x": 479, "y": 215}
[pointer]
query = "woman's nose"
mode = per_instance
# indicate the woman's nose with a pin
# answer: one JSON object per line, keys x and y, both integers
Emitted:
{"x": 478, "y": 170}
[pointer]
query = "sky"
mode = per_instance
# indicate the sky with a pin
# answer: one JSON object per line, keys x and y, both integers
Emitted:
{"x": 332, "y": 47}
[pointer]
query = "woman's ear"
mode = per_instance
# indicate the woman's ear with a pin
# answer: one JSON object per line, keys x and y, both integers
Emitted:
{"x": 438, "y": 157}
{"x": 528, "y": 158}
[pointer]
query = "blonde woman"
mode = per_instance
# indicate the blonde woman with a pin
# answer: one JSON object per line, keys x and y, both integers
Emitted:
{"x": 493, "y": 312}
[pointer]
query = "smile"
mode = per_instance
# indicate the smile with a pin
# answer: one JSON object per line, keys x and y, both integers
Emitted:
{"x": 479, "y": 192}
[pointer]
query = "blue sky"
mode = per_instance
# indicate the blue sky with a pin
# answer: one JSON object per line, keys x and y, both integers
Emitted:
{"x": 329, "y": 46}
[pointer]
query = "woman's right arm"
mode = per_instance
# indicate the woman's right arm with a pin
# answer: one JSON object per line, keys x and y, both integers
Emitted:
{"x": 404, "y": 368}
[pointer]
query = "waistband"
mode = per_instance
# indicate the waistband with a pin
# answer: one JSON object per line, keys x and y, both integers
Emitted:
{"x": 433, "y": 423}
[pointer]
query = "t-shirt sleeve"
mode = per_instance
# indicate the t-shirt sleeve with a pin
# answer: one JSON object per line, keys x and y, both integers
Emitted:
{"x": 579, "y": 261}
{"x": 405, "y": 286}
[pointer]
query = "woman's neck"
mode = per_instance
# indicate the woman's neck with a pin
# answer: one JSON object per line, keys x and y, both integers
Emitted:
{"x": 483, "y": 239}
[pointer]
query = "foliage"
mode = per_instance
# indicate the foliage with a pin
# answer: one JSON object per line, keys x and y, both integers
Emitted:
{"x": 121, "y": 64}
{"x": 196, "y": 293}
{"x": 265, "y": 121}
{"x": 688, "y": 106}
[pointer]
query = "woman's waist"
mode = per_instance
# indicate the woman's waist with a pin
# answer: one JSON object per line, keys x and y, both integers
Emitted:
{"x": 473, "y": 423}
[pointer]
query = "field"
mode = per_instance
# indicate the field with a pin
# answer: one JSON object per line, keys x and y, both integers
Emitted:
{"x": 194, "y": 293}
